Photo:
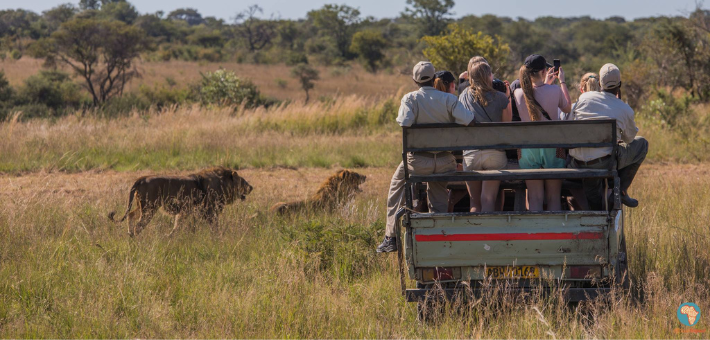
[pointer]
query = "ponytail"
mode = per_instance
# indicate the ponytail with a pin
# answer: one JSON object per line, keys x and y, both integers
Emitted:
{"x": 529, "y": 94}
{"x": 439, "y": 85}
{"x": 590, "y": 82}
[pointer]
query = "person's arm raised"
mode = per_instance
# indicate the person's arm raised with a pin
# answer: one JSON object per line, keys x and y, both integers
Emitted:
{"x": 561, "y": 76}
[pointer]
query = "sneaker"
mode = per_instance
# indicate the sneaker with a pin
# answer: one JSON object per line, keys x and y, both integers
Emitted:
{"x": 388, "y": 245}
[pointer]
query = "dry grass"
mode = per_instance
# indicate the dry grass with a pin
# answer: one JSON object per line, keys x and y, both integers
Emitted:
{"x": 334, "y": 82}
{"x": 67, "y": 272}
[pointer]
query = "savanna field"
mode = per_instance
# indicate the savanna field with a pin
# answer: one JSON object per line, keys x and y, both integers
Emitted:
{"x": 66, "y": 271}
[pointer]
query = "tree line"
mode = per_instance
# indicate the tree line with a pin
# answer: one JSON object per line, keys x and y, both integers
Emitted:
{"x": 99, "y": 40}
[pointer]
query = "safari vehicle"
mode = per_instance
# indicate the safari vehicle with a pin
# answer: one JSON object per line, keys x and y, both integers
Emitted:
{"x": 582, "y": 253}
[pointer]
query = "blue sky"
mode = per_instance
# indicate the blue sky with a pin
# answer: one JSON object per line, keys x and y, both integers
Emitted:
{"x": 225, "y": 9}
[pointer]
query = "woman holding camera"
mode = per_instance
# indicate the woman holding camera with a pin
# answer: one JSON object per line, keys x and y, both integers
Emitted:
{"x": 537, "y": 100}
{"x": 488, "y": 105}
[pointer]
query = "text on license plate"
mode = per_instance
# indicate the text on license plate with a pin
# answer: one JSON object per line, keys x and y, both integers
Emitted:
{"x": 517, "y": 272}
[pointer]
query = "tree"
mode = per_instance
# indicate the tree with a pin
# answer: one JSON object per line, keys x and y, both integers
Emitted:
{"x": 429, "y": 14}
{"x": 99, "y": 51}
{"x": 369, "y": 46}
{"x": 452, "y": 51}
{"x": 189, "y": 15}
{"x": 256, "y": 32}
{"x": 58, "y": 15}
{"x": 338, "y": 21}
{"x": 305, "y": 75}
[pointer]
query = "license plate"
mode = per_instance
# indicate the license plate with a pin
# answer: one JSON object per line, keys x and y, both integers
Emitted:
{"x": 517, "y": 272}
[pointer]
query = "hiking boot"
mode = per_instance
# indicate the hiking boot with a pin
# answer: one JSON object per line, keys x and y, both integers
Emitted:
{"x": 629, "y": 202}
{"x": 625, "y": 200}
{"x": 388, "y": 245}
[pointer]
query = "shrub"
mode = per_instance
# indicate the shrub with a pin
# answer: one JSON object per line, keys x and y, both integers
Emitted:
{"x": 669, "y": 111}
{"x": 295, "y": 58}
{"x": 16, "y": 54}
{"x": 53, "y": 89}
{"x": 124, "y": 105}
{"x": 224, "y": 88}
{"x": 166, "y": 96}
{"x": 281, "y": 83}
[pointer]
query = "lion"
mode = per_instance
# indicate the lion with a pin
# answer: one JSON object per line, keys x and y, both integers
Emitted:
{"x": 335, "y": 191}
{"x": 204, "y": 193}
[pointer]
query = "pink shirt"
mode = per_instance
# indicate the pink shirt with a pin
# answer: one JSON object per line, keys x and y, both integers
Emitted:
{"x": 550, "y": 98}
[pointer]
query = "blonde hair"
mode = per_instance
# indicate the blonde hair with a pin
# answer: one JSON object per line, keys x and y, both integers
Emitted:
{"x": 479, "y": 74}
{"x": 590, "y": 82}
{"x": 534, "y": 108}
{"x": 475, "y": 60}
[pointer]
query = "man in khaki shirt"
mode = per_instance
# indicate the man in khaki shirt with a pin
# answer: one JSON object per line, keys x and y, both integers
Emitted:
{"x": 424, "y": 106}
{"x": 632, "y": 149}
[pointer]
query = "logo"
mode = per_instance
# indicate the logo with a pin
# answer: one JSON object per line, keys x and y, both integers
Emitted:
{"x": 688, "y": 314}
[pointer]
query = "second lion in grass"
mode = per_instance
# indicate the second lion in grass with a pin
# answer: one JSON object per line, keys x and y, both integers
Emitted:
{"x": 335, "y": 191}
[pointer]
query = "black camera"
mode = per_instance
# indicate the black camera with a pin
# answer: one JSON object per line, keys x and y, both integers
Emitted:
{"x": 499, "y": 85}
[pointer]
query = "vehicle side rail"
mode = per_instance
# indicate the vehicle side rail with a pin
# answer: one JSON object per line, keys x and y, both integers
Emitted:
{"x": 516, "y": 174}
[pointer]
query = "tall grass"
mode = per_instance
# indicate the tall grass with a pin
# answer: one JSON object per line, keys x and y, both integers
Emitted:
{"x": 67, "y": 272}
{"x": 350, "y": 131}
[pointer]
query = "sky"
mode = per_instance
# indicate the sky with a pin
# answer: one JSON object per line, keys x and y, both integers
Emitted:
{"x": 296, "y": 9}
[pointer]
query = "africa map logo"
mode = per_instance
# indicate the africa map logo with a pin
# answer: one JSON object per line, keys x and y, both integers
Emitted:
{"x": 688, "y": 314}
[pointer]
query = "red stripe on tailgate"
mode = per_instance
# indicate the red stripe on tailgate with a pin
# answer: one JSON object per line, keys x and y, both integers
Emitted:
{"x": 509, "y": 237}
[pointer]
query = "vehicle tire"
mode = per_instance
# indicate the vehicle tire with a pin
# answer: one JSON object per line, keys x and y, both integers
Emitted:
{"x": 623, "y": 276}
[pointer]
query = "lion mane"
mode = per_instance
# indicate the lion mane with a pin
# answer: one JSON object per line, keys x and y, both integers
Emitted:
{"x": 337, "y": 190}
{"x": 204, "y": 193}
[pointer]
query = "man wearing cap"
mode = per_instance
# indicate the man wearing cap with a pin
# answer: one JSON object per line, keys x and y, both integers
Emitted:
{"x": 632, "y": 149}
{"x": 424, "y": 106}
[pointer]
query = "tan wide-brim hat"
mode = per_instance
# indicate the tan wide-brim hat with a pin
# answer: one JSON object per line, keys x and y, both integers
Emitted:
{"x": 423, "y": 72}
{"x": 609, "y": 76}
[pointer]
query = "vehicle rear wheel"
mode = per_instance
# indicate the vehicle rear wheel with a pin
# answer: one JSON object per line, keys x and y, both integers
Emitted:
{"x": 623, "y": 276}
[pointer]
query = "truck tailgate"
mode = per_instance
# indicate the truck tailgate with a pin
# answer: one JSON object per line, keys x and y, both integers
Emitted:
{"x": 509, "y": 238}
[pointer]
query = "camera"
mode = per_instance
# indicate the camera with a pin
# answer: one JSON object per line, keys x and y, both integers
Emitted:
{"x": 498, "y": 85}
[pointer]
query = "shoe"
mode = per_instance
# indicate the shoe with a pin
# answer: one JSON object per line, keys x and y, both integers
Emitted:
{"x": 625, "y": 200}
{"x": 629, "y": 202}
{"x": 388, "y": 245}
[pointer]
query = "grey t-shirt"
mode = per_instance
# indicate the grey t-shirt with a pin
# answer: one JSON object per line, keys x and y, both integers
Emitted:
{"x": 491, "y": 113}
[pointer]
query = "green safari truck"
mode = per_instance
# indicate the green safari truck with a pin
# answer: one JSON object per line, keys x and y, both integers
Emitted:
{"x": 580, "y": 253}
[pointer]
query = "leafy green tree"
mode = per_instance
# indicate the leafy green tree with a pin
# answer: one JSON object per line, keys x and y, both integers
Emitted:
{"x": 51, "y": 88}
{"x": 337, "y": 21}
{"x": 119, "y": 10}
{"x": 100, "y": 52}
{"x": 56, "y": 16}
{"x": 369, "y": 45}
{"x": 257, "y": 33}
{"x": 189, "y": 15}
{"x": 430, "y": 15}
{"x": 305, "y": 75}
{"x": 453, "y": 50}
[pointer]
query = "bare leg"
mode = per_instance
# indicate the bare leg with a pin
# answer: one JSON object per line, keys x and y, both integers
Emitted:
{"x": 536, "y": 194}
{"x": 134, "y": 217}
{"x": 553, "y": 190}
{"x": 175, "y": 225}
{"x": 489, "y": 193}
{"x": 474, "y": 191}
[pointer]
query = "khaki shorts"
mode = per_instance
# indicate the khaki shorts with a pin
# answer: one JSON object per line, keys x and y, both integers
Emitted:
{"x": 485, "y": 160}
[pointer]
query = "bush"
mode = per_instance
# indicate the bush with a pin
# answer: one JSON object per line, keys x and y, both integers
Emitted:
{"x": 166, "y": 96}
{"x": 224, "y": 88}
{"x": 295, "y": 58}
{"x": 16, "y": 54}
{"x": 53, "y": 89}
{"x": 124, "y": 105}
{"x": 669, "y": 111}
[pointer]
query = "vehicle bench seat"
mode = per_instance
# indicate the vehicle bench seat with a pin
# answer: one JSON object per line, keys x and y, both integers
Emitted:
{"x": 514, "y": 174}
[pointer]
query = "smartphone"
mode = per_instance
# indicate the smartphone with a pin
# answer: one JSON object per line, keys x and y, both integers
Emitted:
{"x": 556, "y": 63}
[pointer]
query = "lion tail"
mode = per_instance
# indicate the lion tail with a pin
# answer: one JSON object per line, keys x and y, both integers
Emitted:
{"x": 130, "y": 204}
